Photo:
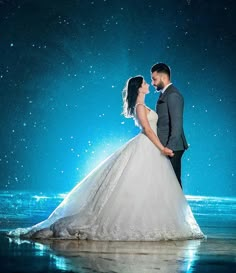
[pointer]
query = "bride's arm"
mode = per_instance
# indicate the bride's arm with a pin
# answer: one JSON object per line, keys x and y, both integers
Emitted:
{"x": 143, "y": 121}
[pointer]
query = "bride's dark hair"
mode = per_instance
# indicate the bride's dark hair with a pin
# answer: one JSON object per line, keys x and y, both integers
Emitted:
{"x": 130, "y": 94}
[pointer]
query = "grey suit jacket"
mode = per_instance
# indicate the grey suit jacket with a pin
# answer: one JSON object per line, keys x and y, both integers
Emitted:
{"x": 169, "y": 108}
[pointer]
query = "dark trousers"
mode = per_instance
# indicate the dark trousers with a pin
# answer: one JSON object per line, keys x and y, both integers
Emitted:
{"x": 176, "y": 163}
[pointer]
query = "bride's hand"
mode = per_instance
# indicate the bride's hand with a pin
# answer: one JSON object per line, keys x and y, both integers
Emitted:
{"x": 167, "y": 151}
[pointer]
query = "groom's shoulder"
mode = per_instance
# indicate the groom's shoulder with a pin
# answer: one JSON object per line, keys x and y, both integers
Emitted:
{"x": 174, "y": 90}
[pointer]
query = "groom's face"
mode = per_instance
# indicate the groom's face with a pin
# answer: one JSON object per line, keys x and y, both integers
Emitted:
{"x": 157, "y": 81}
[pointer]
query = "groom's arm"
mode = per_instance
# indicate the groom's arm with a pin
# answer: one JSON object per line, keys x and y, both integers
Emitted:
{"x": 175, "y": 107}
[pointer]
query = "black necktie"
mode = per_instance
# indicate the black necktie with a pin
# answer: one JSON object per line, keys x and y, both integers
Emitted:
{"x": 160, "y": 95}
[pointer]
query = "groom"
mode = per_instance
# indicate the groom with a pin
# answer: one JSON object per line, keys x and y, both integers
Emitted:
{"x": 169, "y": 108}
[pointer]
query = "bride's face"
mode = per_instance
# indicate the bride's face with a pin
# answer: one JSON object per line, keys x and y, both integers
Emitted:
{"x": 144, "y": 88}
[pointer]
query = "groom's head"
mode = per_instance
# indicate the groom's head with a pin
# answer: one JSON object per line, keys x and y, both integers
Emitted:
{"x": 160, "y": 74}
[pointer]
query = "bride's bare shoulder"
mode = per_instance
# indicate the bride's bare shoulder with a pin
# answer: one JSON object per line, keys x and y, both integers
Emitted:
{"x": 142, "y": 109}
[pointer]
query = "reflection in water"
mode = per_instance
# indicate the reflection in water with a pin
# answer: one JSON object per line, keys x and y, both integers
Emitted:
{"x": 195, "y": 256}
{"x": 103, "y": 256}
{"x": 192, "y": 258}
{"x": 216, "y": 216}
{"x": 36, "y": 249}
{"x": 60, "y": 262}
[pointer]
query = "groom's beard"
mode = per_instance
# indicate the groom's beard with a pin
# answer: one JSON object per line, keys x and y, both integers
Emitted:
{"x": 160, "y": 86}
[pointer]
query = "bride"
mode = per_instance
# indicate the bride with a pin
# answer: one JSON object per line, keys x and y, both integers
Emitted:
{"x": 133, "y": 195}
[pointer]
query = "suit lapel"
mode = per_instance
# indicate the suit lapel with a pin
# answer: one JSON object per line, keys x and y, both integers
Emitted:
{"x": 163, "y": 96}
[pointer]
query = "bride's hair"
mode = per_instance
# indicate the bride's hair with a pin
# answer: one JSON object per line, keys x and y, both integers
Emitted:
{"x": 130, "y": 94}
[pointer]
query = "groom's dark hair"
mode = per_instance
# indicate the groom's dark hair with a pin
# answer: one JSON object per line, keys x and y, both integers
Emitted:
{"x": 161, "y": 68}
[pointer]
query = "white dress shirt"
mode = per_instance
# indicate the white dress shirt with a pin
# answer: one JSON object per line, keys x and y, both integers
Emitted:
{"x": 164, "y": 89}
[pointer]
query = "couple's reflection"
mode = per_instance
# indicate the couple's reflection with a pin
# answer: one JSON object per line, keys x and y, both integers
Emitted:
{"x": 103, "y": 256}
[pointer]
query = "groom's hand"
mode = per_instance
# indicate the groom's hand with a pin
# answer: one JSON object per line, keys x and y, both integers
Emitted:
{"x": 168, "y": 152}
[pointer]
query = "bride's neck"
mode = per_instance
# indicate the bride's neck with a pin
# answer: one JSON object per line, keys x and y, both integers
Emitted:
{"x": 141, "y": 98}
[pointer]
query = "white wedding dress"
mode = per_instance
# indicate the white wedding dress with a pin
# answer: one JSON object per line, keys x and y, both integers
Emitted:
{"x": 133, "y": 195}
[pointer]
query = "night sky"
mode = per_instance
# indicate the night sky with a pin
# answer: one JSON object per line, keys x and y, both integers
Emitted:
{"x": 64, "y": 64}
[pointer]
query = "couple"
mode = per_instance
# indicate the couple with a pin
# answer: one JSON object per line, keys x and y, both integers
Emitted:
{"x": 135, "y": 194}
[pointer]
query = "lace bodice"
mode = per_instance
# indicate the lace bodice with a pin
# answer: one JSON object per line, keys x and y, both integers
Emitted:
{"x": 151, "y": 116}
